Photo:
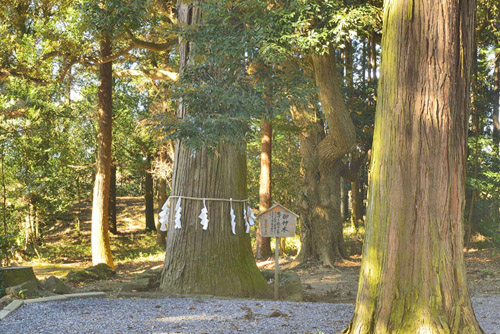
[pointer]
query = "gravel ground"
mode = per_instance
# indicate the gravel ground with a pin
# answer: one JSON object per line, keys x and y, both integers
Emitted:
{"x": 196, "y": 316}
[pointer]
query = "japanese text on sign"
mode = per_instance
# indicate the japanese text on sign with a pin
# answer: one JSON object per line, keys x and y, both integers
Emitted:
{"x": 277, "y": 222}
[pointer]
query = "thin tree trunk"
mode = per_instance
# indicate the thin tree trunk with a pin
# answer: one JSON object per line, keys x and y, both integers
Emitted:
{"x": 149, "y": 198}
{"x": 213, "y": 261}
{"x": 496, "y": 107}
{"x": 343, "y": 208}
{"x": 356, "y": 203}
{"x": 101, "y": 250}
{"x": 4, "y": 190}
{"x": 112, "y": 201}
{"x": 476, "y": 126}
{"x": 412, "y": 277}
{"x": 373, "y": 57}
{"x": 167, "y": 152}
{"x": 369, "y": 58}
{"x": 363, "y": 65}
{"x": 263, "y": 244}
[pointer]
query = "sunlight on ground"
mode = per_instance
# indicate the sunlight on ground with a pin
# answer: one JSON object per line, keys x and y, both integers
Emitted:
{"x": 184, "y": 318}
{"x": 43, "y": 269}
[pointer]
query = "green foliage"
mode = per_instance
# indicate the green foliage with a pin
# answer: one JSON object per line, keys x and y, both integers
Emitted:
{"x": 237, "y": 74}
{"x": 285, "y": 164}
{"x": 320, "y": 24}
{"x": 8, "y": 242}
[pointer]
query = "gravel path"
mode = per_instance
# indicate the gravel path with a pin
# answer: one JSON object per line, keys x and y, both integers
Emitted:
{"x": 196, "y": 316}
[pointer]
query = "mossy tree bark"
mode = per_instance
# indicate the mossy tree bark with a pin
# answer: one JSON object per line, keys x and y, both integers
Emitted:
{"x": 101, "y": 250}
{"x": 412, "y": 277}
{"x": 263, "y": 244}
{"x": 215, "y": 261}
{"x": 321, "y": 230}
{"x": 321, "y": 153}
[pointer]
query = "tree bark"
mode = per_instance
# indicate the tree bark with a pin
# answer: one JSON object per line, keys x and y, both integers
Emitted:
{"x": 4, "y": 190}
{"x": 496, "y": 107}
{"x": 321, "y": 228}
{"x": 356, "y": 203}
{"x": 412, "y": 277}
{"x": 149, "y": 198}
{"x": 166, "y": 160}
{"x": 322, "y": 236}
{"x": 263, "y": 244}
{"x": 213, "y": 261}
{"x": 101, "y": 250}
{"x": 112, "y": 201}
{"x": 341, "y": 138}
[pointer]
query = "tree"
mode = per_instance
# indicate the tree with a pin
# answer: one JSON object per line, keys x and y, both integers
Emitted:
{"x": 321, "y": 152}
{"x": 101, "y": 250}
{"x": 263, "y": 244}
{"x": 149, "y": 195}
{"x": 328, "y": 133}
{"x": 213, "y": 261}
{"x": 412, "y": 277}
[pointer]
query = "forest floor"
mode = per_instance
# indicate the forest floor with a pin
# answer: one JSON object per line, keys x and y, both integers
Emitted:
{"x": 67, "y": 247}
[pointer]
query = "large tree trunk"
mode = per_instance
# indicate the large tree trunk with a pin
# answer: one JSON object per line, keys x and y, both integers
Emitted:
{"x": 101, "y": 251}
{"x": 213, "y": 261}
{"x": 263, "y": 244}
{"x": 412, "y": 277}
{"x": 321, "y": 153}
{"x": 321, "y": 233}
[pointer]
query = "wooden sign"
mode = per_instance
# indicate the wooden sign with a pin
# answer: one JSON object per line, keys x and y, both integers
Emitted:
{"x": 277, "y": 221}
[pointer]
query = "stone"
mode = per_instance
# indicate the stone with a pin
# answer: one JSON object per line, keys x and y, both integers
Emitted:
{"x": 11, "y": 276}
{"x": 94, "y": 273}
{"x": 55, "y": 285}
{"x": 85, "y": 295}
{"x": 26, "y": 289}
{"x": 45, "y": 299}
{"x": 6, "y": 300}
{"x": 146, "y": 281}
{"x": 14, "y": 305}
{"x": 290, "y": 287}
{"x": 137, "y": 284}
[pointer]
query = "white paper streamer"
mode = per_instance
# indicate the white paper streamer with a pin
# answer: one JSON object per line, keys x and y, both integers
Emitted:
{"x": 164, "y": 215}
{"x": 245, "y": 217}
{"x": 204, "y": 216}
{"x": 251, "y": 216}
{"x": 178, "y": 211}
{"x": 233, "y": 217}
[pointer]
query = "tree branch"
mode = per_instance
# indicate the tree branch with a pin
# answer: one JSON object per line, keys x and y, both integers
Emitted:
{"x": 154, "y": 47}
{"x": 152, "y": 73}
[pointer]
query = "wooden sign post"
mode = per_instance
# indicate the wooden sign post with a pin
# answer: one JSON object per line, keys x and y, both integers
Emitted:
{"x": 277, "y": 221}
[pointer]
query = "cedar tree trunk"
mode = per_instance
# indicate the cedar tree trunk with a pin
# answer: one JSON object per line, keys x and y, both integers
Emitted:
{"x": 215, "y": 261}
{"x": 412, "y": 277}
{"x": 101, "y": 251}
{"x": 263, "y": 244}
